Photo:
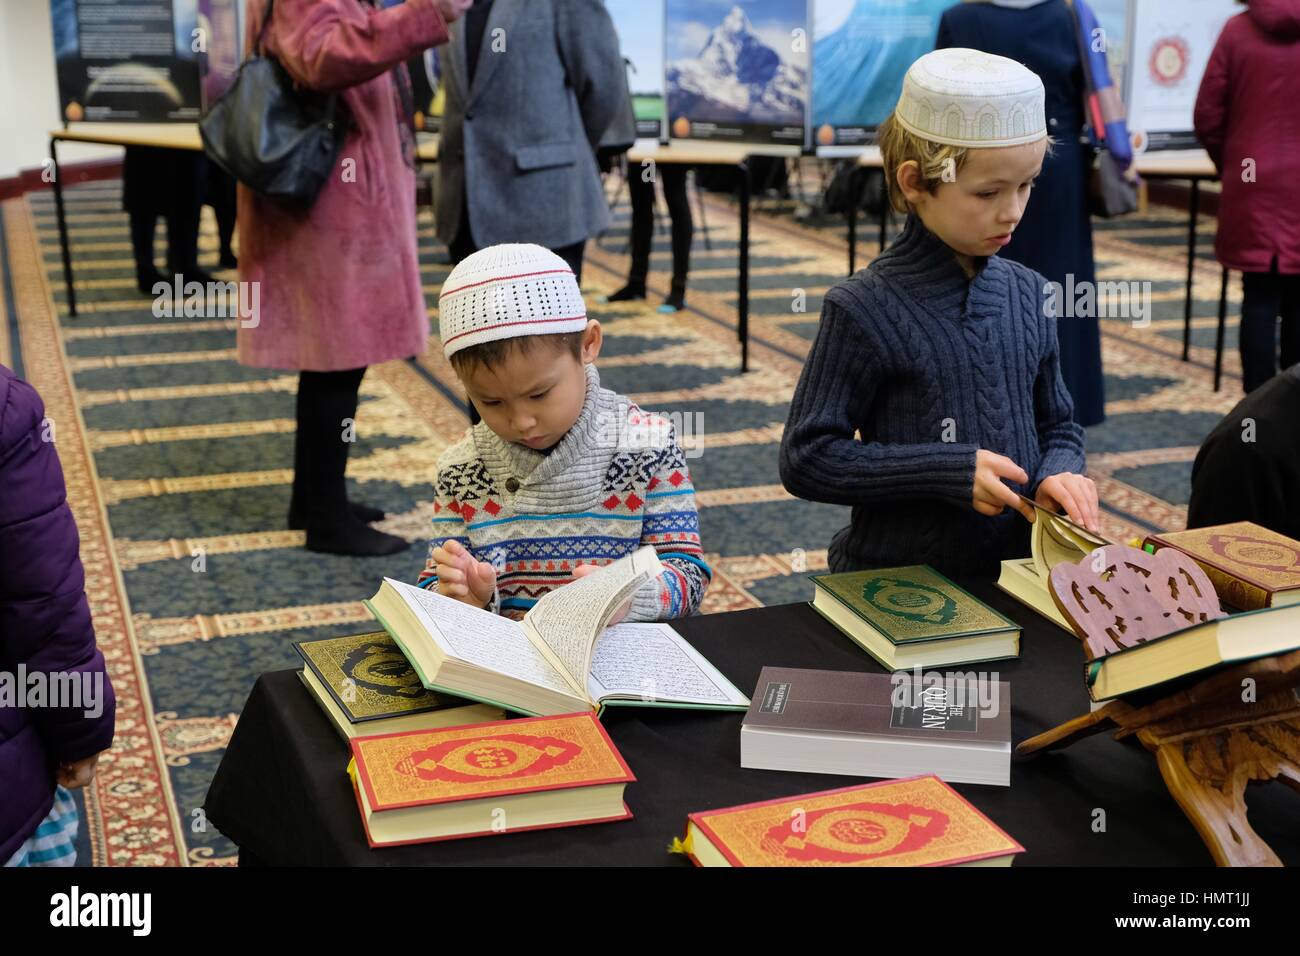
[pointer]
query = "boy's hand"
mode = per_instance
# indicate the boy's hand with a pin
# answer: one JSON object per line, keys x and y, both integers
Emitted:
{"x": 460, "y": 576}
{"x": 1075, "y": 494}
{"x": 582, "y": 570}
{"x": 989, "y": 495}
{"x": 77, "y": 774}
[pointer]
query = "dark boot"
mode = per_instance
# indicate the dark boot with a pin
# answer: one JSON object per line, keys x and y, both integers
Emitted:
{"x": 676, "y": 300}
{"x": 633, "y": 290}
{"x": 325, "y": 399}
{"x": 298, "y": 520}
{"x": 147, "y": 275}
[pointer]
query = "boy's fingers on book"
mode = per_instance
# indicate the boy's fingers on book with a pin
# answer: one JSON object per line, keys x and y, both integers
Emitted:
{"x": 1008, "y": 498}
{"x": 444, "y": 555}
{"x": 1004, "y": 467}
{"x": 1094, "y": 503}
{"x": 1070, "y": 503}
{"x": 1002, "y": 495}
{"x": 621, "y": 613}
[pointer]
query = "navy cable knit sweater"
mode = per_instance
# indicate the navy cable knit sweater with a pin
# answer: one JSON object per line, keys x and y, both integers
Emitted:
{"x": 914, "y": 369}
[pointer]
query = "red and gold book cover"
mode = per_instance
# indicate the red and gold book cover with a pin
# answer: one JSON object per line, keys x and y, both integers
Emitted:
{"x": 1247, "y": 564}
{"x": 917, "y": 821}
{"x": 423, "y": 767}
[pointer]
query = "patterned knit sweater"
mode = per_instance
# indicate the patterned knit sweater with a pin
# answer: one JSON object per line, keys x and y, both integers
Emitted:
{"x": 916, "y": 367}
{"x": 616, "y": 481}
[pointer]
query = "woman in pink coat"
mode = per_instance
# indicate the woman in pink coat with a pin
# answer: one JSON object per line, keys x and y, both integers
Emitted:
{"x": 339, "y": 283}
{"x": 1248, "y": 119}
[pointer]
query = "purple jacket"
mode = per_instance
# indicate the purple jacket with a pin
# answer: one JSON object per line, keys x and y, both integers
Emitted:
{"x": 44, "y": 619}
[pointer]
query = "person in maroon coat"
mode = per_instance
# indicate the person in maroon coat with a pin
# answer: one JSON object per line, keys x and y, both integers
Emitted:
{"x": 45, "y": 630}
{"x": 339, "y": 282}
{"x": 1248, "y": 120}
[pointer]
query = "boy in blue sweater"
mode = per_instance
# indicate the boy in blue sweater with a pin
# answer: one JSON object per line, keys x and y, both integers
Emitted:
{"x": 932, "y": 395}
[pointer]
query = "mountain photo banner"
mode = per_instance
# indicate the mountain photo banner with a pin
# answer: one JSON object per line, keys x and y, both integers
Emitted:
{"x": 737, "y": 71}
{"x": 861, "y": 51}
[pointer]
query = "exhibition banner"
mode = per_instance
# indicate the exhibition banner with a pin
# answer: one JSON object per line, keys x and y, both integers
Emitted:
{"x": 737, "y": 71}
{"x": 128, "y": 60}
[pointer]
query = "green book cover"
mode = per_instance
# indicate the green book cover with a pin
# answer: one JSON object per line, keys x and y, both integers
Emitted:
{"x": 911, "y": 604}
{"x": 369, "y": 677}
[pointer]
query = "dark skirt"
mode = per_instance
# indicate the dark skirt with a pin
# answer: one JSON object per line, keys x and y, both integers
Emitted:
{"x": 1055, "y": 238}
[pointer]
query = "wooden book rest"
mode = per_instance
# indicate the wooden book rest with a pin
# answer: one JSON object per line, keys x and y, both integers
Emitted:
{"x": 1211, "y": 738}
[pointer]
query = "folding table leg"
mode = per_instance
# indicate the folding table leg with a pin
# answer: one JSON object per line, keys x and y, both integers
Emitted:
{"x": 853, "y": 220}
{"x": 1194, "y": 209}
{"x": 1223, "y": 317}
{"x": 64, "y": 247}
{"x": 743, "y": 278}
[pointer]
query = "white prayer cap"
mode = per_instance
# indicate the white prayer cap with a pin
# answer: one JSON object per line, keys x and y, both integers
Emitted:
{"x": 969, "y": 98}
{"x": 506, "y": 291}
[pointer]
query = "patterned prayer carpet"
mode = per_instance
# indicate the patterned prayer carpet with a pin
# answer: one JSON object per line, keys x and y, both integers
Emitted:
{"x": 178, "y": 460}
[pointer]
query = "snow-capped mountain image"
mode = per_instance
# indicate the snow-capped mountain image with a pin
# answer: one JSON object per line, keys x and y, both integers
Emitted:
{"x": 739, "y": 74}
{"x": 861, "y": 51}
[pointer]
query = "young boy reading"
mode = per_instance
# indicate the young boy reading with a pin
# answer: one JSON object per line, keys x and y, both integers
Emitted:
{"x": 932, "y": 395}
{"x": 561, "y": 476}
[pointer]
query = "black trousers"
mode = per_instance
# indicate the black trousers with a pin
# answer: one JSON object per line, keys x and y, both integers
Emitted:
{"x": 157, "y": 182}
{"x": 327, "y": 411}
{"x": 673, "y": 180}
{"x": 1265, "y": 296}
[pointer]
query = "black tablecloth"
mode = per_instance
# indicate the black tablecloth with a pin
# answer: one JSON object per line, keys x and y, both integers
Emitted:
{"x": 282, "y": 795}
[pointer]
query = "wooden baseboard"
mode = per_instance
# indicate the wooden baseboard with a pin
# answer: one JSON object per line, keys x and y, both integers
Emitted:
{"x": 30, "y": 180}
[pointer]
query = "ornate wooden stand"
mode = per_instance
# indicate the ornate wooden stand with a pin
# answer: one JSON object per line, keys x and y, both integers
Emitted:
{"x": 1209, "y": 739}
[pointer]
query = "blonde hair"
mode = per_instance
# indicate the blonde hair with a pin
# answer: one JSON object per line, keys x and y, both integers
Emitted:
{"x": 938, "y": 162}
{"x": 898, "y": 144}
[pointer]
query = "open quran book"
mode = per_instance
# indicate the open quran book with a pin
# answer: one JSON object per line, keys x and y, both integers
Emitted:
{"x": 1053, "y": 540}
{"x": 562, "y": 657}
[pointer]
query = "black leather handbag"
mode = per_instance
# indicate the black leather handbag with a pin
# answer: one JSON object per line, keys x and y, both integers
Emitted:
{"x": 280, "y": 140}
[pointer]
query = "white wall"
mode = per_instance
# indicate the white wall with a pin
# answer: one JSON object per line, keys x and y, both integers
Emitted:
{"x": 29, "y": 97}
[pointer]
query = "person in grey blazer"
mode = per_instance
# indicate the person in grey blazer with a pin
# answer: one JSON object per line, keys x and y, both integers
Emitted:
{"x": 531, "y": 85}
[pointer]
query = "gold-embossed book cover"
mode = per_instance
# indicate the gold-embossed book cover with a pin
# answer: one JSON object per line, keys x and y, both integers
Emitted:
{"x": 497, "y": 759}
{"x": 1250, "y": 566}
{"x": 914, "y": 603}
{"x": 917, "y": 821}
{"x": 368, "y": 677}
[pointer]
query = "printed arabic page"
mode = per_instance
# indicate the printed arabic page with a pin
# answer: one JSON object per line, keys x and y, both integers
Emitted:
{"x": 652, "y": 662}
{"x": 481, "y": 638}
{"x": 568, "y": 619}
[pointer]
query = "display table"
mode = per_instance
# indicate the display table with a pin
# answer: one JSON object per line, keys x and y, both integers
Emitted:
{"x": 183, "y": 136}
{"x": 282, "y": 794}
{"x": 1193, "y": 165}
